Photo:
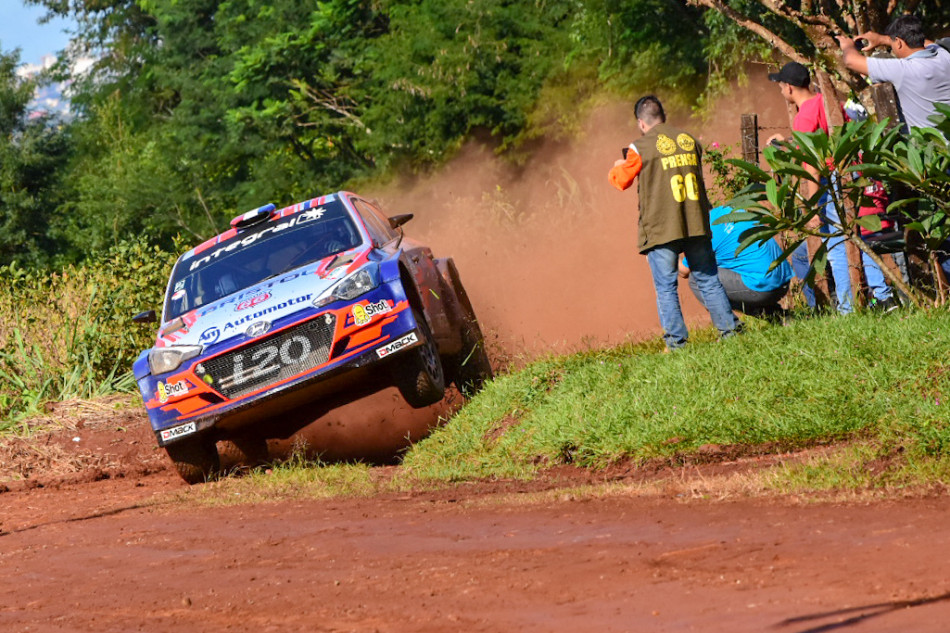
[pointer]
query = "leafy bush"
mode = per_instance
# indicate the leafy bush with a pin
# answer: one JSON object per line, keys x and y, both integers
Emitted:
{"x": 68, "y": 334}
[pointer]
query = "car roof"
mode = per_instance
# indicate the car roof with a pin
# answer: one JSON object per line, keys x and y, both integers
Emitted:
{"x": 275, "y": 215}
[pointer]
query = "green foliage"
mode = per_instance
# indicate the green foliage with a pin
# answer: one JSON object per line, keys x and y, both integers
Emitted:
{"x": 69, "y": 334}
{"x": 839, "y": 166}
{"x": 811, "y": 382}
{"x": 921, "y": 162}
{"x": 33, "y": 155}
{"x": 727, "y": 180}
{"x": 197, "y": 110}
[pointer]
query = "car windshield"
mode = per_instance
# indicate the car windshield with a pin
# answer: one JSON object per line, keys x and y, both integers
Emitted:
{"x": 258, "y": 253}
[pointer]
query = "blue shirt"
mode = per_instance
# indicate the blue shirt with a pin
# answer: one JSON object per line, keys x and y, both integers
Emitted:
{"x": 752, "y": 264}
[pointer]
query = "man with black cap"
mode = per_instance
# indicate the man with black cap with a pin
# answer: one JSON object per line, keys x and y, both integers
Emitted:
{"x": 795, "y": 83}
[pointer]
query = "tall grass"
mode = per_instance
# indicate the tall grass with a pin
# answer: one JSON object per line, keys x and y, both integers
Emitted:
{"x": 814, "y": 381}
{"x": 67, "y": 334}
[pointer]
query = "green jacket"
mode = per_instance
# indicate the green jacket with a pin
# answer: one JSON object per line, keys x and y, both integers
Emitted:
{"x": 673, "y": 202}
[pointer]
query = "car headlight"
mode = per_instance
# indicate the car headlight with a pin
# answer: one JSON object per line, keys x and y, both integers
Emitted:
{"x": 350, "y": 287}
{"x": 165, "y": 359}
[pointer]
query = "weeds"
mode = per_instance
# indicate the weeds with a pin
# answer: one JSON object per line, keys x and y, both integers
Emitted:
{"x": 67, "y": 334}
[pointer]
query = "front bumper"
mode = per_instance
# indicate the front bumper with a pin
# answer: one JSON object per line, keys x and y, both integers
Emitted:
{"x": 363, "y": 336}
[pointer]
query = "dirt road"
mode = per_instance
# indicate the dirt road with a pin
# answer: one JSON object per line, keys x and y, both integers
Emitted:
{"x": 119, "y": 554}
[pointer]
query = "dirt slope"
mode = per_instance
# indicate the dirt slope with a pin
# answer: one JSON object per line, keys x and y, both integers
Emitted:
{"x": 107, "y": 548}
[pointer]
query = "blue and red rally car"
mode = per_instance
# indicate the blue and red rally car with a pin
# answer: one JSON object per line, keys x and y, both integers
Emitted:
{"x": 323, "y": 301}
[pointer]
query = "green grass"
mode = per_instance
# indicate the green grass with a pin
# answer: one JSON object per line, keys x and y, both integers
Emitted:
{"x": 818, "y": 380}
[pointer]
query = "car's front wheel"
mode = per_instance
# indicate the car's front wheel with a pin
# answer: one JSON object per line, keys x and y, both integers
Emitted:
{"x": 420, "y": 377}
{"x": 195, "y": 459}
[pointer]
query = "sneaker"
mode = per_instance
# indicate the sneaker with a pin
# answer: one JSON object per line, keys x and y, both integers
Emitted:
{"x": 886, "y": 306}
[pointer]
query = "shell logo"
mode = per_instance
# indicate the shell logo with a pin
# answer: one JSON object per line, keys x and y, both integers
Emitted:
{"x": 359, "y": 315}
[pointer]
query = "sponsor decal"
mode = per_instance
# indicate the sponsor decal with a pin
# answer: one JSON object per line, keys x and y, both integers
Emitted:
{"x": 256, "y": 329}
{"x": 179, "y": 285}
{"x": 178, "y": 431}
{"x": 397, "y": 345}
{"x": 247, "y": 294}
{"x": 250, "y": 318}
{"x": 297, "y": 220}
{"x": 253, "y": 301}
{"x": 171, "y": 390}
{"x": 364, "y": 314}
{"x": 210, "y": 336}
{"x": 178, "y": 294}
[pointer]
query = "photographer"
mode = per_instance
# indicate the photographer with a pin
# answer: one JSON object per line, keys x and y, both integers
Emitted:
{"x": 919, "y": 72}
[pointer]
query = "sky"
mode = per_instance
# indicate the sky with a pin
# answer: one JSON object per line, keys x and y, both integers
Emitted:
{"x": 20, "y": 28}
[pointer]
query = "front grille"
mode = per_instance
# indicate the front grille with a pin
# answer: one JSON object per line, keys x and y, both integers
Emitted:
{"x": 270, "y": 360}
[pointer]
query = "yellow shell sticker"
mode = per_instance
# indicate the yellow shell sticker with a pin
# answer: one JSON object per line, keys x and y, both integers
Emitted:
{"x": 359, "y": 315}
{"x": 686, "y": 142}
{"x": 665, "y": 145}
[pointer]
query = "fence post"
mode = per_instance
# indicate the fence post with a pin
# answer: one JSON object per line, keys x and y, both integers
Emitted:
{"x": 750, "y": 138}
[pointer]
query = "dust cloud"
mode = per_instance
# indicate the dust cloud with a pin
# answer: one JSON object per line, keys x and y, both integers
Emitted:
{"x": 547, "y": 251}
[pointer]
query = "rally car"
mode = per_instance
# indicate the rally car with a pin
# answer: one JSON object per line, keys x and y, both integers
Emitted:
{"x": 321, "y": 302}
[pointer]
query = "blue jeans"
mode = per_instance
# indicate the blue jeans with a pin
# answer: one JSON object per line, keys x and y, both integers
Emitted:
{"x": 664, "y": 260}
{"x": 838, "y": 262}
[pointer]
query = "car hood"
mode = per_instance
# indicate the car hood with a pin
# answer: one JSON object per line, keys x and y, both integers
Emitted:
{"x": 269, "y": 301}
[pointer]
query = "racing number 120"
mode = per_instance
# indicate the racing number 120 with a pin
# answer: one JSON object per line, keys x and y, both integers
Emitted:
{"x": 684, "y": 187}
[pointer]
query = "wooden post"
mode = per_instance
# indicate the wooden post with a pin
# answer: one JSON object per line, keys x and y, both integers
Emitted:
{"x": 835, "y": 118}
{"x": 885, "y": 103}
{"x": 750, "y": 138}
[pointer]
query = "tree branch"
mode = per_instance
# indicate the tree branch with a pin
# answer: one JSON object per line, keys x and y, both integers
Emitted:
{"x": 749, "y": 24}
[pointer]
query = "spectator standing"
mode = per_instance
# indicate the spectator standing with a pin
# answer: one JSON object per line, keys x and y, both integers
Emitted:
{"x": 749, "y": 283}
{"x": 920, "y": 73}
{"x": 674, "y": 218}
{"x": 795, "y": 83}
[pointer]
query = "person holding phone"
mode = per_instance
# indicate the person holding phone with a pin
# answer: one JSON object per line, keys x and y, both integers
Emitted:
{"x": 667, "y": 164}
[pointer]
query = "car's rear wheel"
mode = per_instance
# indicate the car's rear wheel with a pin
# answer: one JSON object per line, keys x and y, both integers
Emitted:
{"x": 419, "y": 376}
{"x": 471, "y": 367}
{"x": 195, "y": 459}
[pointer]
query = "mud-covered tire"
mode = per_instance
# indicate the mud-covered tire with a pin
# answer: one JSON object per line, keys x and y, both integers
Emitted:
{"x": 195, "y": 459}
{"x": 419, "y": 375}
{"x": 471, "y": 367}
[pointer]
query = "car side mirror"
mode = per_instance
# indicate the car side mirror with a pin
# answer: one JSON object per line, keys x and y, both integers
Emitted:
{"x": 145, "y": 317}
{"x": 398, "y": 220}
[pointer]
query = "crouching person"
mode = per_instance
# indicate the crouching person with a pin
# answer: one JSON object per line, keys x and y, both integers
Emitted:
{"x": 751, "y": 287}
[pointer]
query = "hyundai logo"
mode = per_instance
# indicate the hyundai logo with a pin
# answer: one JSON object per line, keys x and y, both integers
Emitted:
{"x": 256, "y": 329}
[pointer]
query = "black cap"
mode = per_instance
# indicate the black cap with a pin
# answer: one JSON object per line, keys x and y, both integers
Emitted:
{"x": 793, "y": 74}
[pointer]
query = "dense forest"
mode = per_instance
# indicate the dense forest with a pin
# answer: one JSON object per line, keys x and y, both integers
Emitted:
{"x": 198, "y": 109}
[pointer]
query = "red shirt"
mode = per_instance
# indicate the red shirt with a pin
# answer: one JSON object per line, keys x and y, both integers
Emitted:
{"x": 811, "y": 116}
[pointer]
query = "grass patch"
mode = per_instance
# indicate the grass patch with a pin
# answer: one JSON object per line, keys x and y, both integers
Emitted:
{"x": 863, "y": 377}
{"x": 298, "y": 477}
